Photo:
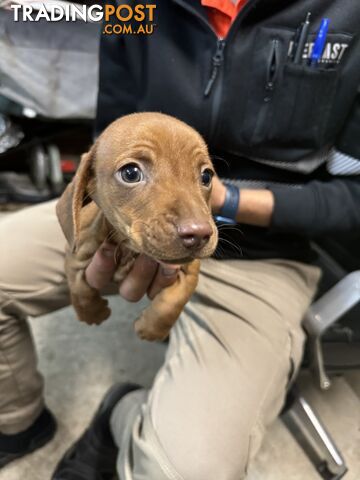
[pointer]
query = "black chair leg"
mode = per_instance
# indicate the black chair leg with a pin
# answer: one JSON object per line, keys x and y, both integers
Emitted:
{"x": 313, "y": 437}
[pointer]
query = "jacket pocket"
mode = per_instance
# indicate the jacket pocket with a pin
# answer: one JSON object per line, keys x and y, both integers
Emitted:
{"x": 302, "y": 105}
{"x": 287, "y": 103}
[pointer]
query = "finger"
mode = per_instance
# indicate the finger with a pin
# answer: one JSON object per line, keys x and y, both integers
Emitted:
{"x": 138, "y": 280}
{"x": 165, "y": 276}
{"x": 102, "y": 266}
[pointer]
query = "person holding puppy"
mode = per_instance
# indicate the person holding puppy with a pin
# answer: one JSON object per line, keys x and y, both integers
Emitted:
{"x": 285, "y": 117}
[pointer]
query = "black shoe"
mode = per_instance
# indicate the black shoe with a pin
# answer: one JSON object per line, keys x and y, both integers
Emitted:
{"x": 36, "y": 436}
{"x": 93, "y": 456}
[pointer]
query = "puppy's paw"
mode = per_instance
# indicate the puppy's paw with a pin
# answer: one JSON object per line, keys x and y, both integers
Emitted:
{"x": 93, "y": 312}
{"x": 146, "y": 331}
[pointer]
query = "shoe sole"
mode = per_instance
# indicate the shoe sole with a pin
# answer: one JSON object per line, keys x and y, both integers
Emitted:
{"x": 36, "y": 444}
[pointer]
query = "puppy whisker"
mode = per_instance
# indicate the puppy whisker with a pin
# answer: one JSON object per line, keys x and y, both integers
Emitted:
{"x": 219, "y": 251}
{"x": 233, "y": 245}
{"x": 229, "y": 227}
{"x": 216, "y": 157}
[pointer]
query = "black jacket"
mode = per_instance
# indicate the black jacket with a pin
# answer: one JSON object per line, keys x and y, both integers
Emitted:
{"x": 294, "y": 129}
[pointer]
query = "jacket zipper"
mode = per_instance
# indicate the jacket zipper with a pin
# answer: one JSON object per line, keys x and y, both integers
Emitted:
{"x": 272, "y": 73}
{"x": 216, "y": 63}
{"x": 217, "y": 59}
{"x": 215, "y": 83}
{"x": 272, "y": 69}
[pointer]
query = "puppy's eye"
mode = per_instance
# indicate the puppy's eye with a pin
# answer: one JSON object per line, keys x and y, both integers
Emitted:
{"x": 206, "y": 177}
{"x": 131, "y": 173}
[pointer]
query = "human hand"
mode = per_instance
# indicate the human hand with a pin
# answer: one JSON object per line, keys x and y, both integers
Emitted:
{"x": 146, "y": 276}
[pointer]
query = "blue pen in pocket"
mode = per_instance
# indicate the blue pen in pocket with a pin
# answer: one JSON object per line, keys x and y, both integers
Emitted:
{"x": 320, "y": 42}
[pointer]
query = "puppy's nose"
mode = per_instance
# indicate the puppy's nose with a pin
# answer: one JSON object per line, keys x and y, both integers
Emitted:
{"x": 195, "y": 235}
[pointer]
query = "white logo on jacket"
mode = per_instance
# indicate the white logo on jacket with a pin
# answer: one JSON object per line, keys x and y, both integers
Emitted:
{"x": 333, "y": 51}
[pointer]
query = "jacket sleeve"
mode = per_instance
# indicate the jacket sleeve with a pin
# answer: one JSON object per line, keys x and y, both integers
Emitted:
{"x": 117, "y": 95}
{"x": 331, "y": 206}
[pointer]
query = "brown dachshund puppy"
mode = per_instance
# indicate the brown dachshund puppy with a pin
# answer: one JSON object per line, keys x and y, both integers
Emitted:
{"x": 145, "y": 185}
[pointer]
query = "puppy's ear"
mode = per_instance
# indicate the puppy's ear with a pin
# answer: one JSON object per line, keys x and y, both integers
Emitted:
{"x": 75, "y": 196}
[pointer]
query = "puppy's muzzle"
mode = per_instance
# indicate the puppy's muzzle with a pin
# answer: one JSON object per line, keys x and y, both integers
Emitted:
{"x": 194, "y": 235}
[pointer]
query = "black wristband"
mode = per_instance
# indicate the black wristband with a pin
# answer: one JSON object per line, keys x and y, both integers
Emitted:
{"x": 231, "y": 203}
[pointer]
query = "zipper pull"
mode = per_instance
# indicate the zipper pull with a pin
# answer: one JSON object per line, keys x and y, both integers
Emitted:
{"x": 216, "y": 63}
{"x": 273, "y": 65}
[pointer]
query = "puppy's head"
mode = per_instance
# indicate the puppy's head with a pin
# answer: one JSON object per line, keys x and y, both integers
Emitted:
{"x": 151, "y": 176}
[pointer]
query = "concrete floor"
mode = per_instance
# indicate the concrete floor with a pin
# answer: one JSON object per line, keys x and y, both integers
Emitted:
{"x": 80, "y": 362}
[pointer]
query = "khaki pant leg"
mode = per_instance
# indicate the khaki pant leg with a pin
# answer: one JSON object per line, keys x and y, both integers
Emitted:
{"x": 230, "y": 360}
{"x": 32, "y": 283}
